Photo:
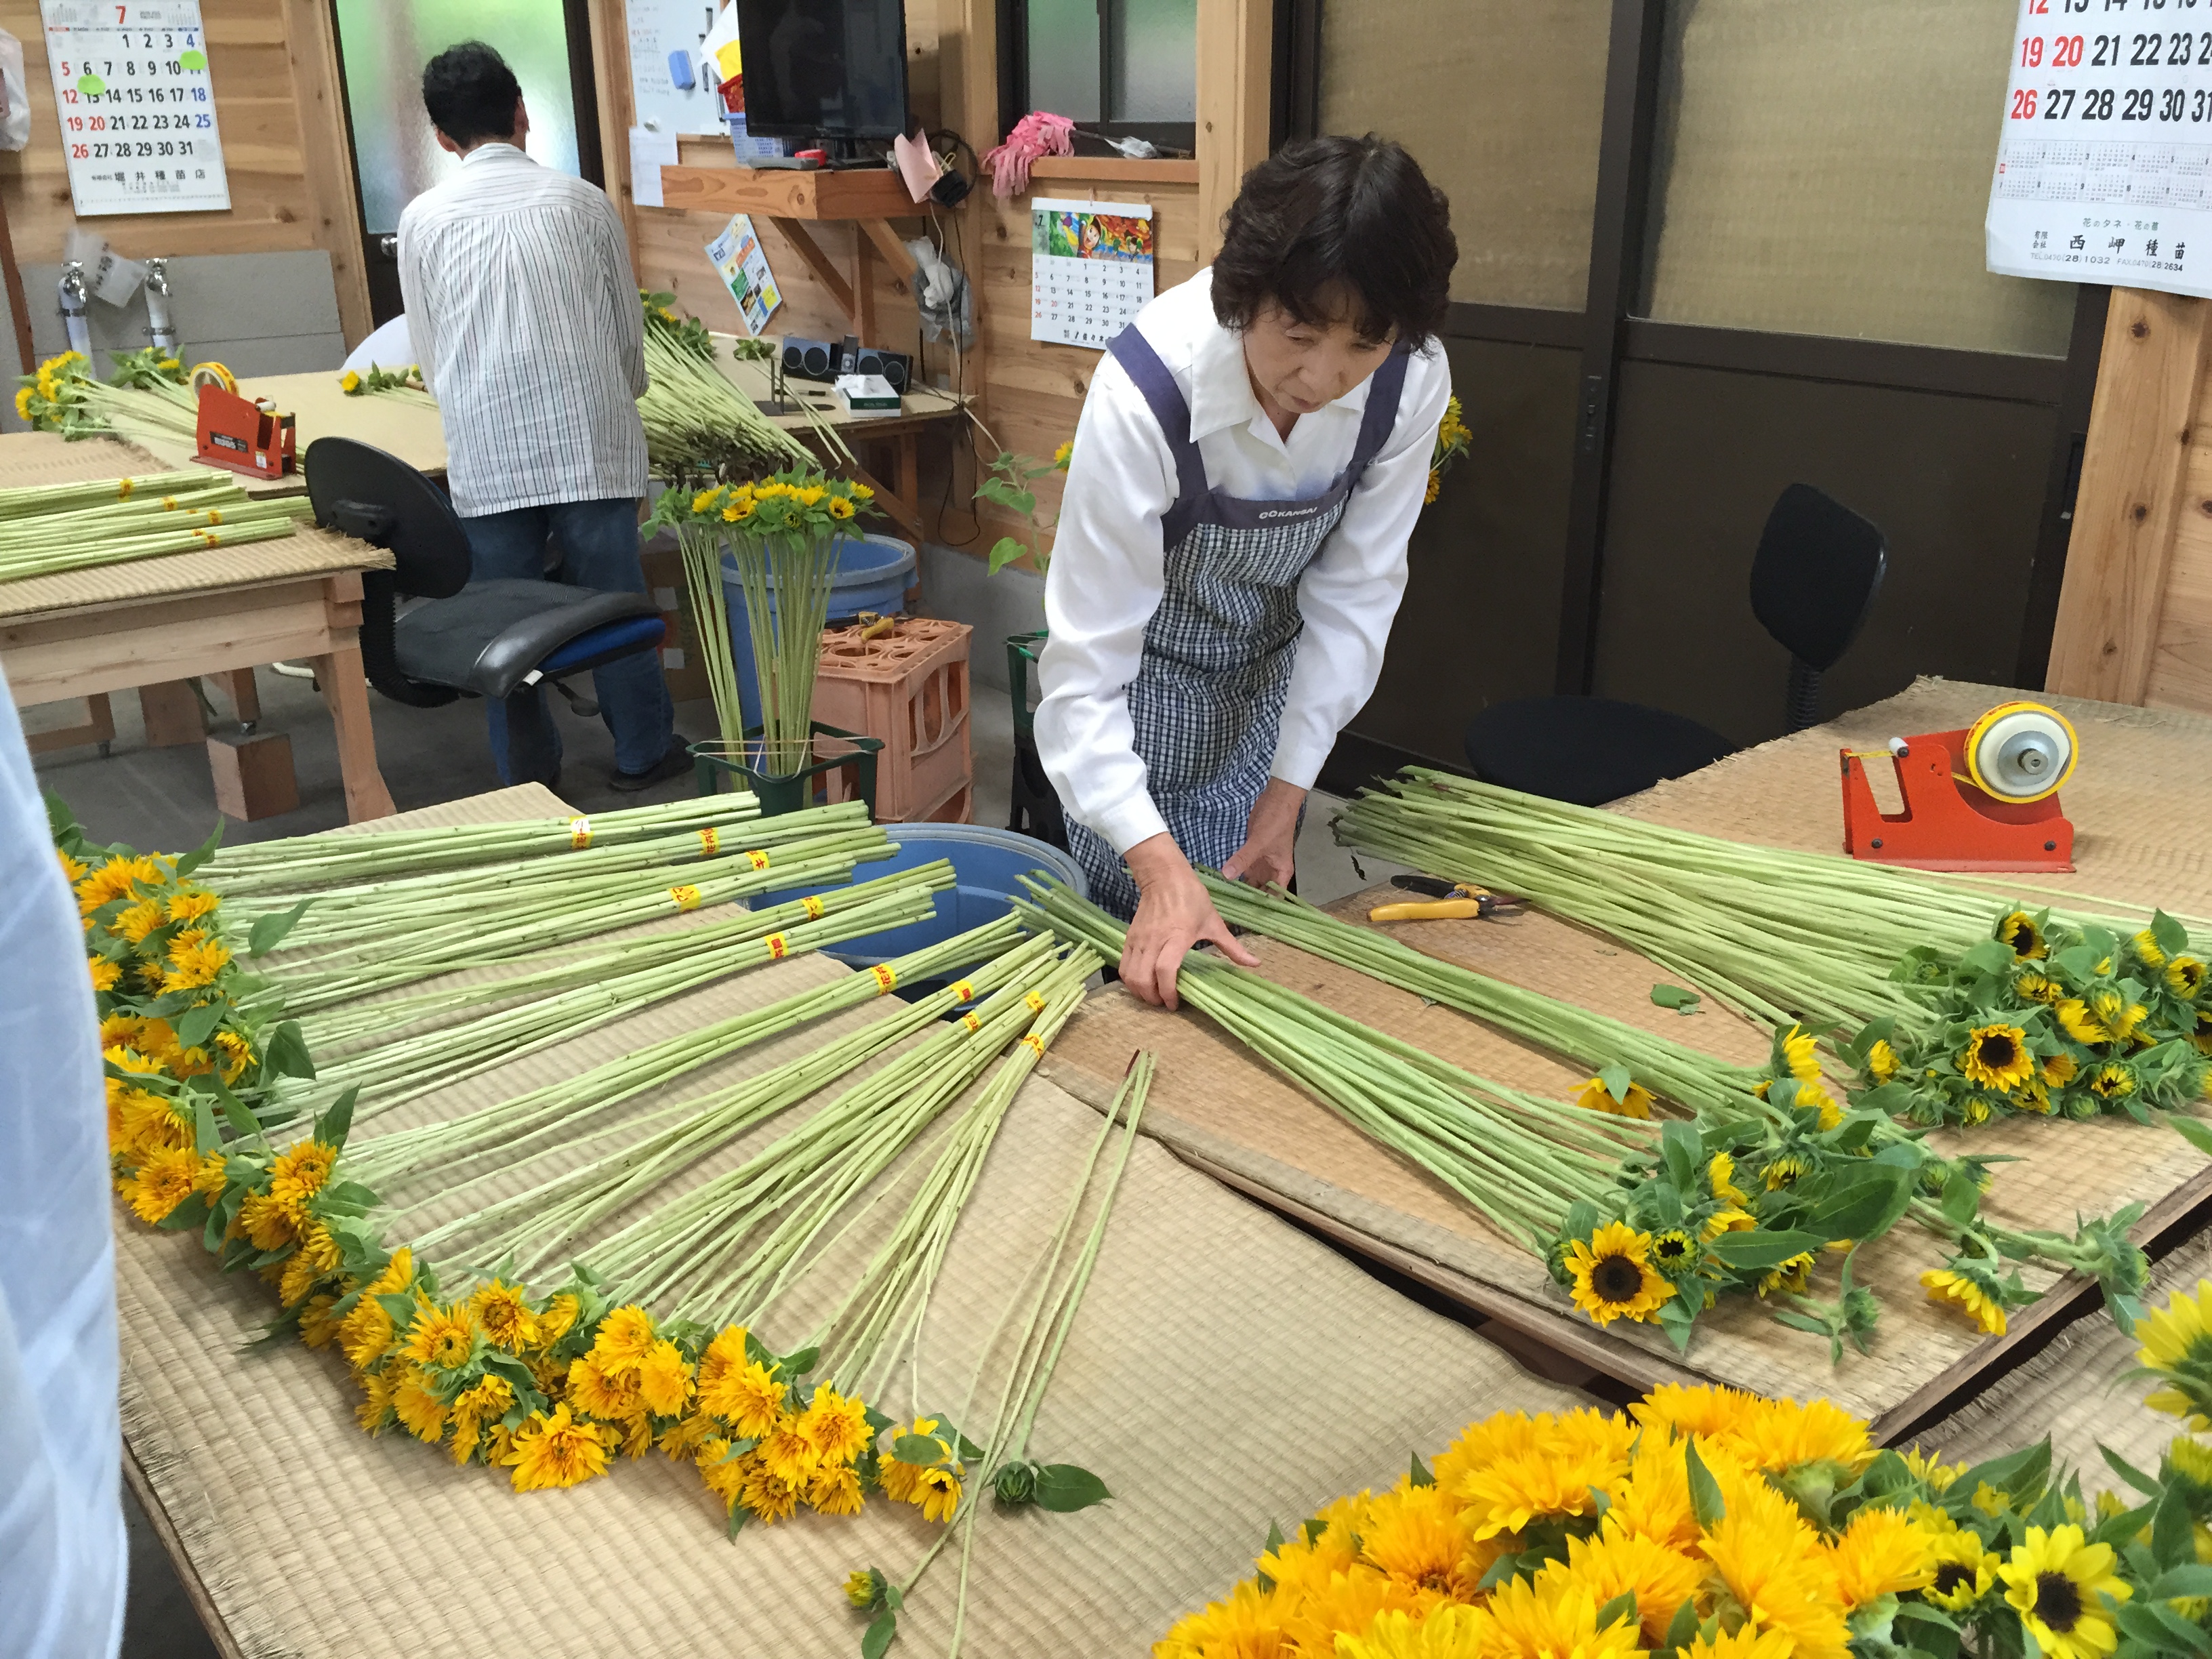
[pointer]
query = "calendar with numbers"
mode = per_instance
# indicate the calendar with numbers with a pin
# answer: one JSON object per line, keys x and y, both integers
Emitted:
{"x": 2103, "y": 170}
{"x": 137, "y": 106}
{"x": 1091, "y": 268}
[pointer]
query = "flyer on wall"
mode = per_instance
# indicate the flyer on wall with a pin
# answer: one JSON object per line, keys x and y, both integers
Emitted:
{"x": 742, "y": 266}
{"x": 2103, "y": 170}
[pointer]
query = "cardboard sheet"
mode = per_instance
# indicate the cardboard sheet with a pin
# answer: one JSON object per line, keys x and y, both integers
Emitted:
{"x": 2138, "y": 807}
{"x": 1226, "y": 1371}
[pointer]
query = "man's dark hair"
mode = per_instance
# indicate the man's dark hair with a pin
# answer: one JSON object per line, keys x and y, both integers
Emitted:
{"x": 1327, "y": 221}
{"x": 471, "y": 93}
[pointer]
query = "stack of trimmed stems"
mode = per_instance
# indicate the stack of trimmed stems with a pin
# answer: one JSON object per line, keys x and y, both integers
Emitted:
{"x": 787, "y": 582}
{"x": 51, "y": 528}
{"x": 695, "y": 421}
{"x": 1781, "y": 935}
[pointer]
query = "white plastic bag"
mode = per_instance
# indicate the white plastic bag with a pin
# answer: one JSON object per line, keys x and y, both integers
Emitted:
{"x": 14, "y": 99}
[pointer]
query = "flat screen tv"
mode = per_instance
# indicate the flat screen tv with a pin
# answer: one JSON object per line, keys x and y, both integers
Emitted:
{"x": 831, "y": 69}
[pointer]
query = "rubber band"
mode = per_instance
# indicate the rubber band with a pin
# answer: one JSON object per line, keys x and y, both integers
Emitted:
{"x": 710, "y": 840}
{"x": 1035, "y": 1044}
{"x": 814, "y": 908}
{"x": 1035, "y": 1002}
{"x": 886, "y": 980}
{"x": 687, "y": 898}
{"x": 759, "y": 859}
{"x": 579, "y": 833}
{"x": 214, "y": 515}
{"x": 168, "y": 503}
{"x": 777, "y": 945}
{"x": 123, "y": 487}
{"x": 961, "y": 990}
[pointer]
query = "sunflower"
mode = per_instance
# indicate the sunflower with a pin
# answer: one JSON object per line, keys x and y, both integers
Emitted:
{"x": 744, "y": 1396}
{"x": 1748, "y": 1643}
{"x": 1965, "y": 1572}
{"x": 2019, "y": 931}
{"x": 1721, "y": 1172}
{"x": 2057, "y": 1582}
{"x": 1785, "y": 1170}
{"x": 422, "y": 1413}
{"x": 1730, "y": 1220}
{"x": 2078, "y": 1023}
{"x": 1940, "y": 1477}
{"x": 1450, "y": 1631}
{"x": 1615, "y": 1564}
{"x": 1973, "y": 1290}
{"x": 624, "y": 1339}
{"x": 1582, "y": 1454}
{"x": 2058, "y": 1070}
{"x": 556, "y": 1451}
{"x": 2185, "y": 977}
{"x": 1882, "y": 1553}
{"x": 1595, "y": 1096}
{"x": 663, "y": 1380}
{"x": 163, "y": 1182}
{"x": 2177, "y": 1342}
{"x": 1997, "y": 1057}
{"x": 1780, "y": 1435}
{"x": 505, "y": 1316}
{"x": 1881, "y": 1061}
{"x": 835, "y": 1425}
{"x": 1801, "y": 1054}
{"x": 1249, "y": 1621}
{"x": 2039, "y": 988}
{"x": 1613, "y": 1278}
{"x": 1529, "y": 1624}
{"x": 1674, "y": 1252}
{"x": 443, "y": 1337}
{"x": 1412, "y": 1535}
{"x": 1792, "y": 1275}
{"x": 1769, "y": 1559}
{"x": 2113, "y": 1081}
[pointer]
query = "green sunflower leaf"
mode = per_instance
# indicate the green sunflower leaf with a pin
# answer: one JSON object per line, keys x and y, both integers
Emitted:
{"x": 2172, "y": 1531}
{"x": 1682, "y": 1630}
{"x": 2128, "y": 1473}
{"x": 1705, "y": 1501}
{"x": 1758, "y": 1250}
{"x": 1420, "y": 1475}
{"x": 1063, "y": 1488}
{"x": 268, "y": 931}
{"x": 200, "y": 855}
{"x": 1681, "y": 1000}
{"x": 1622, "y": 1606}
{"x": 2171, "y": 936}
{"x": 2191, "y": 1578}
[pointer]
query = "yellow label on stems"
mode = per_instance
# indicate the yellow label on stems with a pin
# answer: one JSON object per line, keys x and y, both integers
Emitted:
{"x": 963, "y": 990}
{"x": 1035, "y": 1002}
{"x": 579, "y": 834}
{"x": 123, "y": 487}
{"x": 886, "y": 980}
{"x": 687, "y": 898}
{"x": 973, "y": 1022}
{"x": 1034, "y": 1044}
{"x": 777, "y": 945}
{"x": 813, "y": 906}
{"x": 759, "y": 859}
{"x": 710, "y": 840}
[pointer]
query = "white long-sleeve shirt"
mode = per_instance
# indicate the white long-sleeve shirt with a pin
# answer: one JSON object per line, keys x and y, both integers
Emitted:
{"x": 526, "y": 320}
{"x": 1108, "y": 561}
{"x": 61, "y": 1547}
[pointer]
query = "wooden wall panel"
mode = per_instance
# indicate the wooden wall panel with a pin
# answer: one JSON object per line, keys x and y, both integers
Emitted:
{"x": 274, "y": 69}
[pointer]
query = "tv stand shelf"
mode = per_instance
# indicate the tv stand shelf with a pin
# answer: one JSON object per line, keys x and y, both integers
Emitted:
{"x": 868, "y": 196}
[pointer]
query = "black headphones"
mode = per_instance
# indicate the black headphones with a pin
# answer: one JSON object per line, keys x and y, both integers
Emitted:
{"x": 952, "y": 186}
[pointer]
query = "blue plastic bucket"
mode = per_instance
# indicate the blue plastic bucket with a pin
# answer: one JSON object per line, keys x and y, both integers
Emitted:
{"x": 987, "y": 864}
{"x": 873, "y": 575}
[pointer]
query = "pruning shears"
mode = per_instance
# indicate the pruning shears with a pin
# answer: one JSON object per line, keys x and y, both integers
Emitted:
{"x": 1447, "y": 901}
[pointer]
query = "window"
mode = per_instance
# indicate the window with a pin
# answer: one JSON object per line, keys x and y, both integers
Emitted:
{"x": 1128, "y": 68}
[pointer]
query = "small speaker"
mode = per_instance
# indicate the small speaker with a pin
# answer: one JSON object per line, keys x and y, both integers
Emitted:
{"x": 894, "y": 366}
{"x": 809, "y": 360}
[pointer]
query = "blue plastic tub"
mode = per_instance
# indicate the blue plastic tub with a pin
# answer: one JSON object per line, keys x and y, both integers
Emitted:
{"x": 988, "y": 865}
{"x": 873, "y": 575}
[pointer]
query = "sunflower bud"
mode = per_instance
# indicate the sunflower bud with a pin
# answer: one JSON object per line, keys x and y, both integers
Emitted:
{"x": 1015, "y": 1483}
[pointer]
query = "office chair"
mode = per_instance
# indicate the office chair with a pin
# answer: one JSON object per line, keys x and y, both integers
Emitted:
{"x": 1812, "y": 584}
{"x": 495, "y": 639}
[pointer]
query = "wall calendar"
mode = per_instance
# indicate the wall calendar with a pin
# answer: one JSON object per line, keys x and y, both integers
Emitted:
{"x": 136, "y": 106}
{"x": 1091, "y": 268}
{"x": 2103, "y": 170}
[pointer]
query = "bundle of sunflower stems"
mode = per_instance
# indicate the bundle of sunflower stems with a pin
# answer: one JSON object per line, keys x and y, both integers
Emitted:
{"x": 47, "y": 529}
{"x": 695, "y": 420}
{"x": 663, "y": 1211}
{"x": 146, "y": 398}
{"x": 1638, "y": 1219}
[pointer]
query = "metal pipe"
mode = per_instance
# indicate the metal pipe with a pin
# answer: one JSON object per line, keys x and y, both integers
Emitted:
{"x": 160, "y": 328}
{"x": 74, "y": 296}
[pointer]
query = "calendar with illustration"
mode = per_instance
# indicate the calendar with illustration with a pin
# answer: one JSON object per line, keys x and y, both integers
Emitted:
{"x": 1090, "y": 269}
{"x": 137, "y": 106}
{"x": 2104, "y": 169}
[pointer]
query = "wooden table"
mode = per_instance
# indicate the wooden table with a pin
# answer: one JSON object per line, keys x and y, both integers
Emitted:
{"x": 155, "y": 623}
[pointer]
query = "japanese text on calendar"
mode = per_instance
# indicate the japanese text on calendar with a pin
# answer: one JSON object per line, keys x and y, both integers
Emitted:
{"x": 136, "y": 106}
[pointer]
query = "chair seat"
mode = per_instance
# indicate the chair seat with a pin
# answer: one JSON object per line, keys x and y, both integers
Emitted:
{"x": 1586, "y": 751}
{"x": 490, "y": 635}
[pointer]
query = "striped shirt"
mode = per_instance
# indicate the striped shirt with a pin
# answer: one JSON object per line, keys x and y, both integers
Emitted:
{"x": 526, "y": 324}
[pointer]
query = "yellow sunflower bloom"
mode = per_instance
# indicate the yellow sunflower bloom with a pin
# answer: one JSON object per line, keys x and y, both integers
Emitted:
{"x": 298, "y": 1173}
{"x": 1938, "y": 1475}
{"x": 1412, "y": 1535}
{"x": 1997, "y": 1057}
{"x": 556, "y": 1451}
{"x": 499, "y": 1307}
{"x": 1613, "y": 1275}
{"x": 2116, "y": 1014}
{"x": 2147, "y": 950}
{"x": 1748, "y": 1643}
{"x": 625, "y": 1338}
{"x": 1529, "y": 1624}
{"x": 1881, "y": 1061}
{"x": 2058, "y": 1582}
{"x": 1882, "y": 1553}
{"x": 1720, "y": 1173}
{"x": 1785, "y": 1171}
{"x": 2019, "y": 930}
{"x": 2185, "y": 977}
{"x": 2177, "y": 1341}
{"x": 162, "y": 1183}
{"x": 1448, "y": 1631}
{"x": 1730, "y": 1220}
{"x": 663, "y": 1380}
{"x": 835, "y": 1425}
{"x": 1959, "y": 1290}
{"x": 2058, "y": 1071}
{"x": 105, "y": 974}
{"x": 2039, "y": 988}
{"x": 2113, "y": 1081}
{"x": 1595, "y": 1096}
{"x": 1573, "y": 1454}
{"x": 443, "y": 1337}
{"x": 841, "y": 508}
{"x": 420, "y": 1413}
{"x": 1615, "y": 1564}
{"x": 23, "y": 403}
{"x": 1791, "y": 1276}
{"x": 1965, "y": 1572}
{"x": 1770, "y": 1559}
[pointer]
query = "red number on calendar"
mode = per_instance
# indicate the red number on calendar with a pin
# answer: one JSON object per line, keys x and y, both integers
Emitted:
{"x": 2031, "y": 51}
{"x": 2066, "y": 52}
{"x": 2037, "y": 7}
{"x": 2023, "y": 104}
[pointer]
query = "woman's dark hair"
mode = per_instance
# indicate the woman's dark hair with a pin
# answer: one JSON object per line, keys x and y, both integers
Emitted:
{"x": 1325, "y": 219}
{"x": 471, "y": 93}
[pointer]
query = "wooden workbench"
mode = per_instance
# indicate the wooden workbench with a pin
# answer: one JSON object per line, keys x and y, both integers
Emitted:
{"x": 153, "y": 621}
{"x": 2137, "y": 803}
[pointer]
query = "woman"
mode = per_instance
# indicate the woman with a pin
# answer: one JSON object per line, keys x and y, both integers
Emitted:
{"x": 1232, "y": 549}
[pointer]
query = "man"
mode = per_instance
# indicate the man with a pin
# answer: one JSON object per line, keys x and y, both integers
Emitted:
{"x": 525, "y": 321}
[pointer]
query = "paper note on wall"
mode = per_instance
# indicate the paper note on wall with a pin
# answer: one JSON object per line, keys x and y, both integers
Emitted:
{"x": 136, "y": 106}
{"x": 649, "y": 152}
{"x": 659, "y": 30}
{"x": 742, "y": 266}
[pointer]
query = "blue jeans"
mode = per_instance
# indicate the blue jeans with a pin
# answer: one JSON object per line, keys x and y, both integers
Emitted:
{"x": 599, "y": 544}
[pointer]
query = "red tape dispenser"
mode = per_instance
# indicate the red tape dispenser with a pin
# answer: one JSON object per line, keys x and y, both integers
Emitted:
{"x": 1985, "y": 798}
{"x": 254, "y": 437}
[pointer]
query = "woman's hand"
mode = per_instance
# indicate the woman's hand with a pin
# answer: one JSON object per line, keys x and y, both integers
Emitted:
{"x": 1269, "y": 854}
{"x": 1173, "y": 914}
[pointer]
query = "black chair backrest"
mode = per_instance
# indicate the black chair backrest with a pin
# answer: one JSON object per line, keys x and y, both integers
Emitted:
{"x": 1815, "y": 579}
{"x": 380, "y": 499}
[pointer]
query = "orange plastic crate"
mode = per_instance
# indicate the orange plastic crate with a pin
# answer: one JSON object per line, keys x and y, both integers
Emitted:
{"x": 910, "y": 688}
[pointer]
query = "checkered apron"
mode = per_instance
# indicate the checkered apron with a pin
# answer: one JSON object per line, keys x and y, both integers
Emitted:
{"x": 1208, "y": 701}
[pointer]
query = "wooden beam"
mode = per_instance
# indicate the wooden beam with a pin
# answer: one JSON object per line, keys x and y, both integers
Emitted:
{"x": 820, "y": 263}
{"x": 2128, "y": 508}
{"x": 326, "y": 153}
{"x": 1235, "y": 63}
{"x": 968, "y": 70}
{"x": 887, "y": 242}
{"x": 610, "y": 21}
{"x": 864, "y": 290}
{"x": 789, "y": 193}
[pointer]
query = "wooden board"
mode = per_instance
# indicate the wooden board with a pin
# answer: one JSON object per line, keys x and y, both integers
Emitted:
{"x": 275, "y": 71}
{"x": 2137, "y": 803}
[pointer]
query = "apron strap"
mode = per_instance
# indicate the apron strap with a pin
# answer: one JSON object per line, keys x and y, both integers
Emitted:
{"x": 1380, "y": 417}
{"x": 1134, "y": 353}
